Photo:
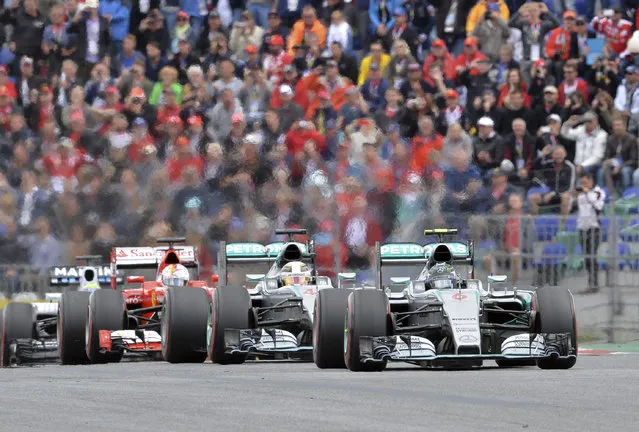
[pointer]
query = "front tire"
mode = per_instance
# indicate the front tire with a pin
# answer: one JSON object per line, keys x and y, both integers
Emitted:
{"x": 328, "y": 328}
{"x": 72, "y": 317}
{"x": 18, "y": 322}
{"x": 556, "y": 315}
{"x": 366, "y": 315}
{"x": 184, "y": 322}
{"x": 106, "y": 311}
{"x": 230, "y": 307}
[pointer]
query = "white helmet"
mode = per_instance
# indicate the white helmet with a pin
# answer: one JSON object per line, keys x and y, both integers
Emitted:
{"x": 295, "y": 273}
{"x": 175, "y": 275}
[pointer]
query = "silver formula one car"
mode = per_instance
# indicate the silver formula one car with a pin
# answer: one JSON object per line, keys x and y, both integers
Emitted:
{"x": 270, "y": 314}
{"x": 422, "y": 311}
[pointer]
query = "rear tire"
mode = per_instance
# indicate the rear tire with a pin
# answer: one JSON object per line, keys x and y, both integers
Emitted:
{"x": 106, "y": 311}
{"x": 72, "y": 320}
{"x": 18, "y": 322}
{"x": 230, "y": 307}
{"x": 184, "y": 323}
{"x": 556, "y": 315}
{"x": 328, "y": 328}
{"x": 366, "y": 315}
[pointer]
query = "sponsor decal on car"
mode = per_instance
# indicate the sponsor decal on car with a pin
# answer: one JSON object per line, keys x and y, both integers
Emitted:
{"x": 467, "y": 338}
{"x": 405, "y": 250}
{"x": 465, "y": 329}
{"x": 459, "y": 297}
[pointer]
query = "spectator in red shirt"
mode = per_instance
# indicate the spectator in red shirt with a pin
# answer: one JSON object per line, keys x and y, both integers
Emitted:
{"x": 183, "y": 157}
{"x": 572, "y": 83}
{"x": 439, "y": 54}
{"x": 616, "y": 30}
{"x": 467, "y": 61}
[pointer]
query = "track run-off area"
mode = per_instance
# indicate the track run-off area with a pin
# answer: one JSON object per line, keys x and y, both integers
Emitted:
{"x": 598, "y": 394}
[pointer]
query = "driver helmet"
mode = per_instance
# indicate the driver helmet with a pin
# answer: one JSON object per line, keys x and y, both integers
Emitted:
{"x": 175, "y": 275}
{"x": 441, "y": 276}
{"x": 295, "y": 273}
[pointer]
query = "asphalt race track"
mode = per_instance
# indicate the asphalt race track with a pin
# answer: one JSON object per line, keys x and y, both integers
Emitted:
{"x": 598, "y": 394}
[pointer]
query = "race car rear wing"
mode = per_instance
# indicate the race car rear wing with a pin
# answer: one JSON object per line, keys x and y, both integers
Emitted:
{"x": 253, "y": 253}
{"x": 147, "y": 257}
{"x": 74, "y": 275}
{"x": 409, "y": 254}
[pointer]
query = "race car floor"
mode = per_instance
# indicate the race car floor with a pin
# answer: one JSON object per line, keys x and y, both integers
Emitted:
{"x": 598, "y": 394}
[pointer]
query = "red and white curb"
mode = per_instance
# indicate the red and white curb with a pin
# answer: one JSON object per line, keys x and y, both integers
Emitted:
{"x": 587, "y": 351}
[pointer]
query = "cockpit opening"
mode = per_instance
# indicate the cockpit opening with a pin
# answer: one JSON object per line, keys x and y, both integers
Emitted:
{"x": 442, "y": 254}
{"x": 172, "y": 258}
{"x": 292, "y": 252}
{"x": 89, "y": 275}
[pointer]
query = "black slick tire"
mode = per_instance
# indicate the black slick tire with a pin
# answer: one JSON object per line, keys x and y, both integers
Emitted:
{"x": 72, "y": 317}
{"x": 366, "y": 315}
{"x": 18, "y": 322}
{"x": 328, "y": 328}
{"x": 184, "y": 321}
{"x": 230, "y": 308}
{"x": 556, "y": 315}
{"x": 106, "y": 311}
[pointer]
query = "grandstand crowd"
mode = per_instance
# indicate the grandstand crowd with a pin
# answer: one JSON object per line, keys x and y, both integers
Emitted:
{"x": 125, "y": 120}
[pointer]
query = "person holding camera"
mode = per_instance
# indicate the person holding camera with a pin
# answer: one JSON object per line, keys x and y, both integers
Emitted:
{"x": 590, "y": 141}
{"x": 590, "y": 200}
{"x": 491, "y": 31}
{"x": 56, "y": 43}
{"x": 93, "y": 37}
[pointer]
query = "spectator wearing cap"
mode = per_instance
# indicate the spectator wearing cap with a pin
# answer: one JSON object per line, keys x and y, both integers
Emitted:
{"x": 94, "y": 88}
{"x": 439, "y": 54}
{"x": 91, "y": 46}
{"x": 245, "y": 32}
{"x": 479, "y": 12}
{"x": 136, "y": 105}
{"x": 542, "y": 110}
{"x": 218, "y": 51}
{"x": 488, "y": 146}
{"x": 453, "y": 113}
{"x": 424, "y": 145}
{"x": 467, "y": 61}
{"x": 615, "y": 29}
{"x": 85, "y": 139}
{"x": 307, "y": 24}
{"x": 562, "y": 44}
{"x": 463, "y": 181}
{"x": 28, "y": 27}
{"x": 289, "y": 111}
{"x": 183, "y": 158}
{"x": 414, "y": 86}
{"x": 140, "y": 138}
{"x": 572, "y": 83}
{"x": 627, "y": 98}
{"x": 171, "y": 129}
{"x": 254, "y": 95}
{"x": 339, "y": 31}
{"x": 276, "y": 60}
{"x": 491, "y": 30}
{"x": 374, "y": 88}
{"x": 182, "y": 31}
{"x": 346, "y": 63}
{"x": 301, "y": 132}
{"x": 327, "y": 80}
{"x": 621, "y": 156}
{"x": 535, "y": 21}
{"x": 117, "y": 14}
{"x": 219, "y": 117}
{"x": 211, "y": 28}
{"x": 323, "y": 112}
{"x": 274, "y": 27}
{"x": 377, "y": 57}
{"x": 493, "y": 198}
{"x": 168, "y": 109}
{"x": 402, "y": 29}
{"x": 514, "y": 108}
{"x": 590, "y": 141}
{"x": 583, "y": 34}
{"x": 392, "y": 111}
{"x": 57, "y": 45}
{"x": 456, "y": 139}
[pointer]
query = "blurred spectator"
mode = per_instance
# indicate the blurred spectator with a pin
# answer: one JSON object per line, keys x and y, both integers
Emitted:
{"x": 488, "y": 146}
{"x": 590, "y": 141}
{"x": 480, "y": 11}
{"x": 491, "y": 29}
{"x": 620, "y": 157}
{"x": 572, "y": 84}
{"x": 590, "y": 202}
{"x": 307, "y": 24}
{"x": 377, "y": 58}
{"x": 556, "y": 179}
{"x": 615, "y": 29}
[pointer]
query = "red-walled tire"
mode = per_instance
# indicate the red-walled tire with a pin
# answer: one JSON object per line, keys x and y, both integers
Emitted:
{"x": 230, "y": 308}
{"x": 106, "y": 311}
{"x": 184, "y": 322}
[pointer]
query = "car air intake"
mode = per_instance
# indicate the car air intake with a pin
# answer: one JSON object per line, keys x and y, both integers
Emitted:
{"x": 89, "y": 275}
{"x": 468, "y": 349}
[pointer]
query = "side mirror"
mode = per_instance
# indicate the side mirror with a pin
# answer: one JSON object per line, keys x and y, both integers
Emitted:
{"x": 254, "y": 277}
{"x": 400, "y": 280}
{"x": 497, "y": 278}
{"x": 135, "y": 279}
{"x": 347, "y": 276}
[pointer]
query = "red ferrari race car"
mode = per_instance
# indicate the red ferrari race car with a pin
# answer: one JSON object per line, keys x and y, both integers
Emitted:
{"x": 135, "y": 319}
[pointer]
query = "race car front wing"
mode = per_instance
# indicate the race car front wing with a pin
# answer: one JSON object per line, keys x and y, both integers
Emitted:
{"x": 415, "y": 348}
{"x": 262, "y": 341}
{"x": 130, "y": 341}
{"x": 23, "y": 351}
